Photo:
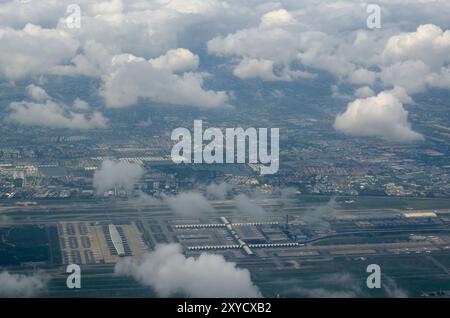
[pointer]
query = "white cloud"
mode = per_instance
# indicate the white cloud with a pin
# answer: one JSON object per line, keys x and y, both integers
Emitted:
{"x": 364, "y": 92}
{"x": 109, "y": 29}
{"x": 33, "y": 50}
{"x": 319, "y": 215}
{"x": 276, "y": 18}
{"x": 188, "y": 203}
{"x": 264, "y": 69}
{"x": 411, "y": 75}
{"x": 17, "y": 14}
{"x": 277, "y": 45}
{"x": 132, "y": 78}
{"x": 80, "y": 104}
{"x": 392, "y": 290}
{"x": 169, "y": 272}
{"x": 401, "y": 94}
{"x": 381, "y": 116}
{"x": 113, "y": 173}
{"x": 428, "y": 44}
{"x": 416, "y": 60}
{"x": 53, "y": 115}
{"x": 36, "y": 92}
{"x": 334, "y": 286}
{"x": 93, "y": 60}
{"x": 362, "y": 77}
{"x": 246, "y": 206}
{"x": 284, "y": 41}
{"x": 18, "y": 285}
{"x": 107, "y": 8}
{"x": 179, "y": 60}
{"x": 218, "y": 191}
{"x": 336, "y": 93}
{"x": 440, "y": 79}
{"x": 274, "y": 44}
{"x": 254, "y": 68}
{"x": 193, "y": 7}
{"x": 274, "y": 41}
{"x": 412, "y": 60}
{"x": 151, "y": 28}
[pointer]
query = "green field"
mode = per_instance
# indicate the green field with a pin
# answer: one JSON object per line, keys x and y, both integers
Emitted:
{"x": 15, "y": 247}
{"x": 402, "y": 275}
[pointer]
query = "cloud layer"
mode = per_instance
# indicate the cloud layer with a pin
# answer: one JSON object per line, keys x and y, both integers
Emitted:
{"x": 131, "y": 78}
{"x": 246, "y": 206}
{"x": 152, "y": 51}
{"x": 382, "y": 116}
{"x": 53, "y": 115}
{"x": 169, "y": 272}
{"x": 188, "y": 203}
{"x": 18, "y": 285}
{"x": 112, "y": 173}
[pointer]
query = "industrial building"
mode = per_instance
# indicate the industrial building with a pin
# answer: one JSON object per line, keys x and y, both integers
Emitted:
{"x": 116, "y": 240}
{"x": 97, "y": 243}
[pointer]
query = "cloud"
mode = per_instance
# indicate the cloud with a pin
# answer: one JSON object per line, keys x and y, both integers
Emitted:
{"x": 343, "y": 285}
{"x": 364, "y": 92}
{"x": 335, "y": 286}
{"x": 379, "y": 116}
{"x": 416, "y": 60}
{"x": 193, "y": 7}
{"x": 318, "y": 216}
{"x": 323, "y": 293}
{"x": 264, "y": 69}
{"x": 33, "y": 50}
{"x": 272, "y": 41}
{"x": 17, "y": 14}
{"x": 428, "y": 44}
{"x": 401, "y": 94}
{"x": 260, "y": 49}
{"x": 143, "y": 200}
{"x": 169, "y": 272}
{"x": 113, "y": 173}
{"x": 36, "y": 92}
{"x": 183, "y": 204}
{"x": 276, "y": 18}
{"x": 106, "y": 8}
{"x": 92, "y": 59}
{"x": 391, "y": 288}
{"x": 80, "y": 104}
{"x": 362, "y": 76}
{"x": 289, "y": 193}
{"x": 53, "y": 115}
{"x": 179, "y": 60}
{"x": 277, "y": 44}
{"x": 132, "y": 78}
{"x": 254, "y": 68}
{"x": 246, "y": 206}
{"x": 283, "y": 39}
{"x": 188, "y": 203}
{"x": 218, "y": 191}
{"x": 129, "y": 26}
{"x": 336, "y": 93}
{"x": 18, "y": 285}
{"x": 110, "y": 29}
{"x": 410, "y": 75}
{"x": 412, "y": 60}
